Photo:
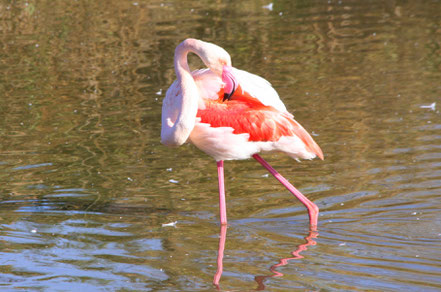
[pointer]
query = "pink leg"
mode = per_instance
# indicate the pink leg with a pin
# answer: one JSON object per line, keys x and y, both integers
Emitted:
{"x": 222, "y": 204}
{"x": 313, "y": 210}
{"x": 220, "y": 255}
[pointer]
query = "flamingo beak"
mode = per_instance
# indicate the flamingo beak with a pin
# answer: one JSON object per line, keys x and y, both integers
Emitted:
{"x": 230, "y": 82}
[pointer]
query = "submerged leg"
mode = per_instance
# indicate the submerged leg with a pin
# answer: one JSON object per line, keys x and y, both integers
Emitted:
{"x": 222, "y": 204}
{"x": 313, "y": 210}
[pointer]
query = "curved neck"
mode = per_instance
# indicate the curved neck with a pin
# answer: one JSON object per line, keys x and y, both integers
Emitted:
{"x": 183, "y": 73}
{"x": 185, "y": 103}
{"x": 181, "y": 53}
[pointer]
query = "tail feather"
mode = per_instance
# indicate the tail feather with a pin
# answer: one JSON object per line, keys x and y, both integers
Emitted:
{"x": 311, "y": 145}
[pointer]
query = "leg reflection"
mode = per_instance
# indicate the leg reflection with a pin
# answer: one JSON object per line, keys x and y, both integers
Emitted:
{"x": 220, "y": 255}
{"x": 284, "y": 261}
{"x": 296, "y": 255}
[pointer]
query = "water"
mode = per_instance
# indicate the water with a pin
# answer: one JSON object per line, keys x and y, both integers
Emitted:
{"x": 85, "y": 185}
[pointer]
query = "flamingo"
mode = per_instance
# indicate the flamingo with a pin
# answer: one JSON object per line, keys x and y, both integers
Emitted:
{"x": 231, "y": 114}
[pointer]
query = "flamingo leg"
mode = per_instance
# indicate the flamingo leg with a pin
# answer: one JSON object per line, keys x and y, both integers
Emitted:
{"x": 313, "y": 210}
{"x": 220, "y": 255}
{"x": 222, "y": 204}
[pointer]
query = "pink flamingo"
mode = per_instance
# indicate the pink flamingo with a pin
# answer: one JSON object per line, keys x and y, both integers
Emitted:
{"x": 231, "y": 114}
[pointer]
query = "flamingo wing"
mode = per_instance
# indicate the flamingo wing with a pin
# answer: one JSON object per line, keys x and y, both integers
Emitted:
{"x": 259, "y": 88}
{"x": 262, "y": 123}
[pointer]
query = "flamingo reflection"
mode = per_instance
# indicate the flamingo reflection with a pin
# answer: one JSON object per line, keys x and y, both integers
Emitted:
{"x": 309, "y": 241}
{"x": 295, "y": 256}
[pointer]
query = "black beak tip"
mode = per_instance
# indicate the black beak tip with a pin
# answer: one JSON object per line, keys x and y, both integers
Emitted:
{"x": 229, "y": 95}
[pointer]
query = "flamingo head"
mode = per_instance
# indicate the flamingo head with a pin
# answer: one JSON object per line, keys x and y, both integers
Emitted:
{"x": 230, "y": 82}
{"x": 217, "y": 60}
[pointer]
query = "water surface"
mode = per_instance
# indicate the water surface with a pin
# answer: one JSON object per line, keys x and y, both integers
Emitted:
{"x": 85, "y": 185}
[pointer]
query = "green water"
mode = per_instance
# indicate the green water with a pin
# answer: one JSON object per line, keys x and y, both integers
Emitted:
{"x": 86, "y": 186}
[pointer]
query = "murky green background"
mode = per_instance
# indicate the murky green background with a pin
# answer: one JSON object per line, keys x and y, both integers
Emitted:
{"x": 85, "y": 185}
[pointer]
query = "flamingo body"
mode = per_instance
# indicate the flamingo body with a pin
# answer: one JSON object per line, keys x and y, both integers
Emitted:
{"x": 244, "y": 125}
{"x": 231, "y": 114}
